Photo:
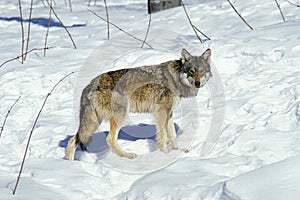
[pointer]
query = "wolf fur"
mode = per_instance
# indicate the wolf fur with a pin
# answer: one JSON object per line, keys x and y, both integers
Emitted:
{"x": 149, "y": 89}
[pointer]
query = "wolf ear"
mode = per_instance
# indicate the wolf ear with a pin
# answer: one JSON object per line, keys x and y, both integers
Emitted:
{"x": 185, "y": 55}
{"x": 206, "y": 55}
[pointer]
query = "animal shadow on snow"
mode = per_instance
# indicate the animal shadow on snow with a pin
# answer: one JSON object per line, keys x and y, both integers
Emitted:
{"x": 129, "y": 133}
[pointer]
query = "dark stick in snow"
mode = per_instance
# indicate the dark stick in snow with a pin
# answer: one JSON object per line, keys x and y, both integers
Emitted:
{"x": 107, "y": 19}
{"x": 17, "y": 57}
{"x": 195, "y": 29}
{"x": 294, "y": 4}
{"x": 149, "y": 23}
{"x": 33, "y": 126}
{"x": 239, "y": 15}
{"x": 47, "y": 32}
{"x": 132, "y": 36}
{"x": 61, "y": 23}
{"x": 4, "y": 122}
{"x": 280, "y": 10}
{"x": 22, "y": 27}
{"x": 28, "y": 31}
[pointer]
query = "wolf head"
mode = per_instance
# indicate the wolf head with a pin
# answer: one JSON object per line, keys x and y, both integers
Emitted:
{"x": 196, "y": 68}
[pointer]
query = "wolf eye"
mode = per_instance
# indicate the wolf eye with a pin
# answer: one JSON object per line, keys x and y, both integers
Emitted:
{"x": 191, "y": 71}
{"x": 202, "y": 71}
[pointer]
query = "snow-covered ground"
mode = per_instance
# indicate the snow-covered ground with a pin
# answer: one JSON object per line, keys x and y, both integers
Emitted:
{"x": 254, "y": 97}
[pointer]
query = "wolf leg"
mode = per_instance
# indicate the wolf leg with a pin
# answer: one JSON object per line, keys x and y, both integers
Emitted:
{"x": 112, "y": 140}
{"x": 172, "y": 134}
{"x": 162, "y": 116}
{"x": 119, "y": 105}
{"x": 172, "y": 137}
{"x": 89, "y": 122}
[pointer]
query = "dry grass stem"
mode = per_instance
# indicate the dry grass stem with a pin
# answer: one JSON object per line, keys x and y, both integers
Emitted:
{"x": 107, "y": 18}
{"x": 61, "y": 23}
{"x": 47, "y": 32}
{"x": 278, "y": 6}
{"x": 33, "y": 126}
{"x": 20, "y": 56}
{"x": 192, "y": 25}
{"x": 28, "y": 30}
{"x": 22, "y": 29}
{"x": 6, "y": 116}
{"x": 132, "y": 36}
{"x": 239, "y": 15}
{"x": 294, "y": 4}
{"x": 148, "y": 29}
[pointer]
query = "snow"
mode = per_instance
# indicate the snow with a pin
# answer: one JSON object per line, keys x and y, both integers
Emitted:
{"x": 242, "y": 130}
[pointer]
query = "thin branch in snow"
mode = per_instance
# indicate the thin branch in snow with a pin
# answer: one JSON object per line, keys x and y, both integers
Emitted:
{"x": 107, "y": 18}
{"x": 20, "y": 56}
{"x": 148, "y": 29}
{"x": 22, "y": 27}
{"x": 201, "y": 32}
{"x": 239, "y": 15}
{"x": 70, "y": 5}
{"x": 280, "y": 10}
{"x": 195, "y": 29}
{"x": 28, "y": 31}
{"x": 61, "y": 23}
{"x": 34, "y": 124}
{"x": 132, "y": 36}
{"x": 188, "y": 17}
{"x": 4, "y": 122}
{"x": 47, "y": 32}
{"x": 294, "y": 4}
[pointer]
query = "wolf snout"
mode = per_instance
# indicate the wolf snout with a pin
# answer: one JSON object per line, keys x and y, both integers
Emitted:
{"x": 197, "y": 84}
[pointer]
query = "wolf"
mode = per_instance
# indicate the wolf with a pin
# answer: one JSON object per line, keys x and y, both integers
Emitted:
{"x": 153, "y": 89}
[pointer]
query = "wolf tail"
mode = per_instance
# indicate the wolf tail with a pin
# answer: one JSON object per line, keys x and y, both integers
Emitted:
{"x": 80, "y": 142}
{"x": 73, "y": 144}
{"x": 89, "y": 122}
{"x": 71, "y": 148}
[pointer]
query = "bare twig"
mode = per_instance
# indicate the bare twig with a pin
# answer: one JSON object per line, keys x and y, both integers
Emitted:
{"x": 132, "y": 36}
{"x": 20, "y": 56}
{"x": 280, "y": 10}
{"x": 22, "y": 27}
{"x": 43, "y": 3}
{"x": 4, "y": 122}
{"x": 239, "y": 15}
{"x": 201, "y": 32}
{"x": 28, "y": 31}
{"x": 47, "y": 32}
{"x": 70, "y": 5}
{"x": 192, "y": 25}
{"x": 34, "y": 124}
{"x": 61, "y": 23}
{"x": 294, "y": 4}
{"x": 149, "y": 23}
{"x": 107, "y": 18}
{"x": 188, "y": 17}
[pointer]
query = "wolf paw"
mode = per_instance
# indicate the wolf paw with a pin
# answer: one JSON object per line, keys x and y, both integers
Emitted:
{"x": 130, "y": 155}
{"x": 174, "y": 146}
{"x": 164, "y": 149}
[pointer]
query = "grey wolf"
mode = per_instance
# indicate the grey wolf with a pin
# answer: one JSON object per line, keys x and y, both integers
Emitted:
{"x": 153, "y": 89}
